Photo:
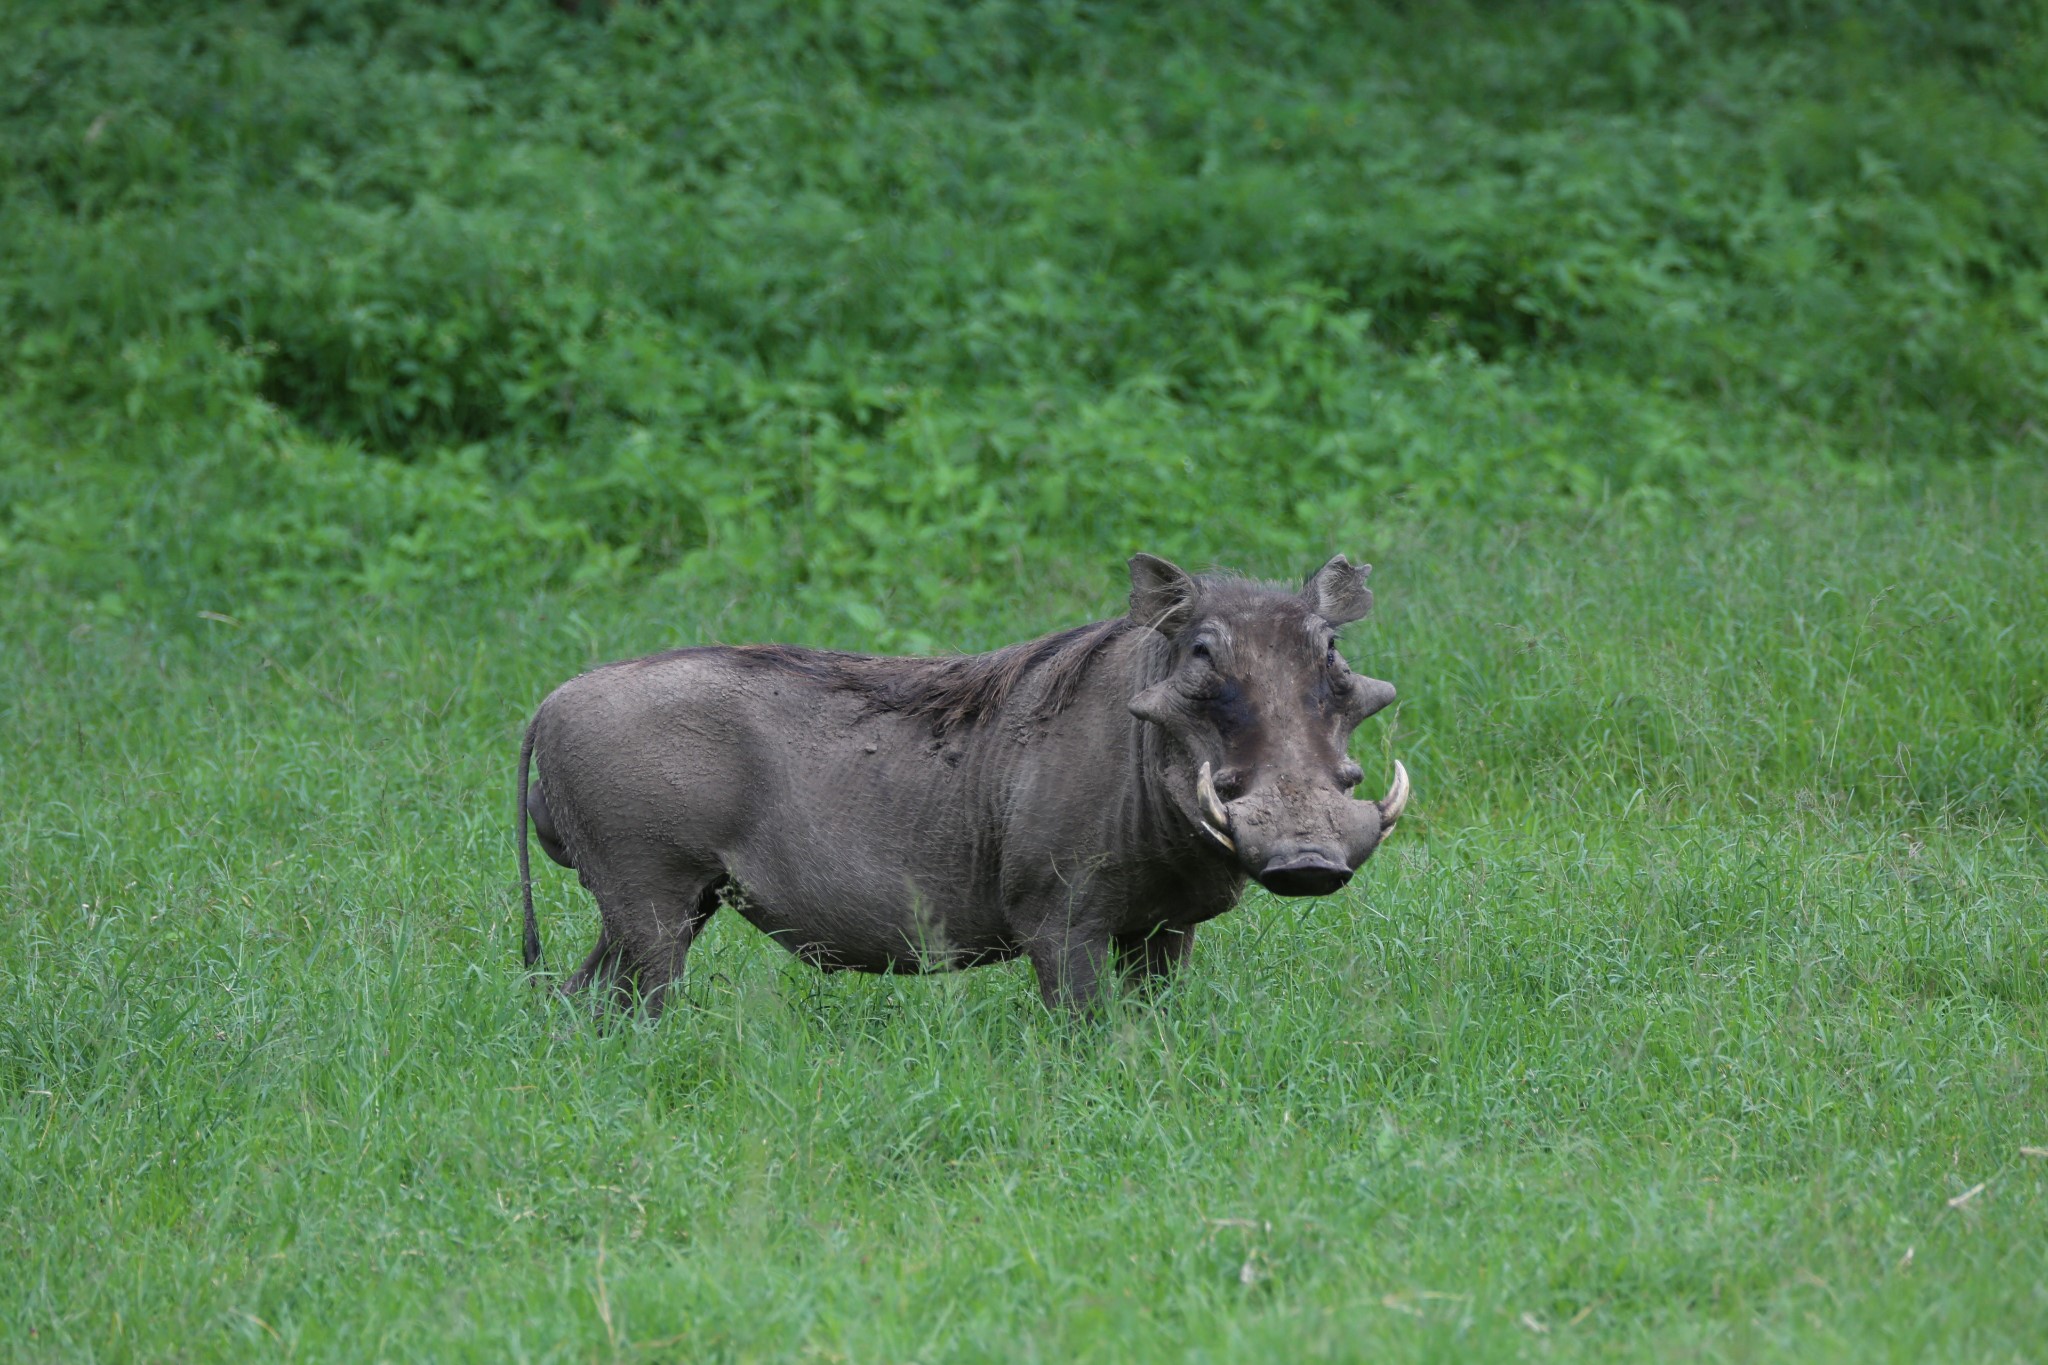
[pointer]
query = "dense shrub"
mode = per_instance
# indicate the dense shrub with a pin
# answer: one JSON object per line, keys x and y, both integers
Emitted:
{"x": 374, "y": 295}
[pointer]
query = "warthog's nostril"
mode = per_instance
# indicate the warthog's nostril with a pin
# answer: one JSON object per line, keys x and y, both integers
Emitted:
{"x": 1304, "y": 877}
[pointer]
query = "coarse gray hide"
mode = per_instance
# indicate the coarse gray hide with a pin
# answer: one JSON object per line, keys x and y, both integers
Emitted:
{"x": 1084, "y": 800}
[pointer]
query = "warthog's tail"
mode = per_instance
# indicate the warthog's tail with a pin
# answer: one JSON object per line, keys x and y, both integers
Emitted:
{"x": 532, "y": 944}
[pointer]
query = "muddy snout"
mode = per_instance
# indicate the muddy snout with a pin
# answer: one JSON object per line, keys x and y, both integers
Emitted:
{"x": 1297, "y": 841}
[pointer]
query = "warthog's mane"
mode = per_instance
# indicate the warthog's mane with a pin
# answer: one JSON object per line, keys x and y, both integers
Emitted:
{"x": 952, "y": 691}
{"x": 956, "y": 691}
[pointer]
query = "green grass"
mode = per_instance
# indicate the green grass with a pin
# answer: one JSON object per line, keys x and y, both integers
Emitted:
{"x": 368, "y": 367}
{"x": 1707, "y": 982}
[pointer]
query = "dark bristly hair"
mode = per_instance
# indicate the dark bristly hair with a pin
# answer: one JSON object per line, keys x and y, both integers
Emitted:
{"x": 951, "y": 690}
{"x": 954, "y": 691}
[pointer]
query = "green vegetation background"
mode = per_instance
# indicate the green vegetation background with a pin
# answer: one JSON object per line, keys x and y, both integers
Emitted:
{"x": 369, "y": 367}
{"x": 905, "y": 296}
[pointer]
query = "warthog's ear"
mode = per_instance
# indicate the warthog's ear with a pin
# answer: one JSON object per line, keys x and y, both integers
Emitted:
{"x": 1337, "y": 592}
{"x": 1162, "y": 594}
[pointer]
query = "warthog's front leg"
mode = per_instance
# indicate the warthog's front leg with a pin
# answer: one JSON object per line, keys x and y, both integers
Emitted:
{"x": 1070, "y": 966}
{"x": 1148, "y": 959}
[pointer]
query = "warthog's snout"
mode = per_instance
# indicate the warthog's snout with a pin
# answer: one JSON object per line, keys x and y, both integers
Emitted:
{"x": 1268, "y": 831}
{"x": 1304, "y": 875}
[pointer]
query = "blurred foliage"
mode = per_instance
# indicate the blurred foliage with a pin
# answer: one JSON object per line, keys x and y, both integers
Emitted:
{"x": 364, "y": 298}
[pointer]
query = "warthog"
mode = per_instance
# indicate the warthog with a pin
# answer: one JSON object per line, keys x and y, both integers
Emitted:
{"x": 1081, "y": 798}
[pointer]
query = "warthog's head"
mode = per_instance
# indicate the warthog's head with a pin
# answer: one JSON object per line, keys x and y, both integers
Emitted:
{"x": 1260, "y": 702}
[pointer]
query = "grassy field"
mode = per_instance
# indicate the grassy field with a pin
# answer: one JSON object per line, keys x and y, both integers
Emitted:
{"x": 369, "y": 366}
{"x": 1699, "y": 1008}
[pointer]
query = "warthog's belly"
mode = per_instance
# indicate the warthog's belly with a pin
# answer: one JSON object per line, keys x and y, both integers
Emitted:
{"x": 845, "y": 936}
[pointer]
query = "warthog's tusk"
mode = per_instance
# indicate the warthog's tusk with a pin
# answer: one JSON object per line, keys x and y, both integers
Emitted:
{"x": 1396, "y": 799}
{"x": 1214, "y": 818}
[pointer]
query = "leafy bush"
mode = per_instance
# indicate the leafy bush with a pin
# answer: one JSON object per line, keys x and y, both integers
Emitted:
{"x": 387, "y": 296}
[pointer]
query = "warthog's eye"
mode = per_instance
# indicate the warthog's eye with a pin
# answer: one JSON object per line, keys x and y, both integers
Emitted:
{"x": 1201, "y": 651}
{"x": 1331, "y": 657}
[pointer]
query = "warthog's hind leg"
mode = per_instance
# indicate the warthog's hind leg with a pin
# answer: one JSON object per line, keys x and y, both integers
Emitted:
{"x": 661, "y": 962}
{"x": 605, "y": 968}
{"x": 646, "y": 935}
